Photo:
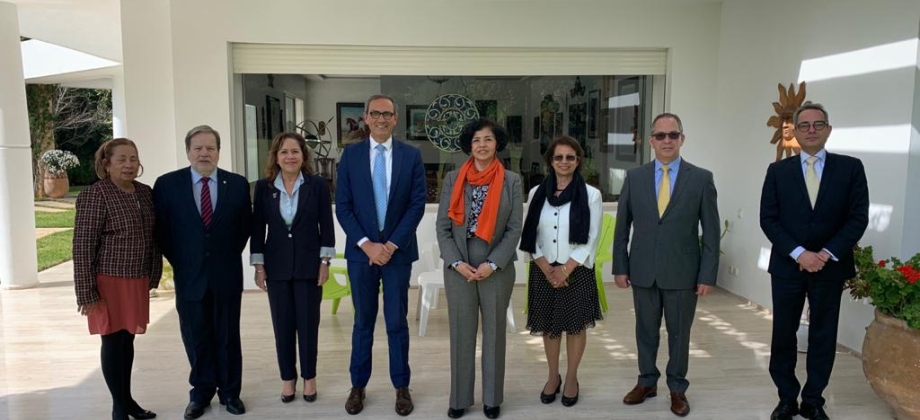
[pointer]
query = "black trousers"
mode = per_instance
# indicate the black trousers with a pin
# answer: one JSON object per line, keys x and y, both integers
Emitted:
{"x": 789, "y": 296}
{"x": 294, "y": 308}
{"x": 211, "y": 335}
{"x": 117, "y": 361}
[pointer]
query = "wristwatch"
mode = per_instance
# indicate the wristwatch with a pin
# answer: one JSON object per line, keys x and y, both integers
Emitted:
{"x": 493, "y": 265}
{"x": 325, "y": 262}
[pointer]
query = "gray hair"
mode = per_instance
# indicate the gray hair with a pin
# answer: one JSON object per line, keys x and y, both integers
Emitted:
{"x": 805, "y": 107}
{"x": 199, "y": 130}
{"x": 373, "y": 98}
{"x": 680, "y": 125}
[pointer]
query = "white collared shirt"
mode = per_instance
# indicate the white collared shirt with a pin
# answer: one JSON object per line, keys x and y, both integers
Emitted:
{"x": 553, "y": 232}
{"x": 196, "y": 189}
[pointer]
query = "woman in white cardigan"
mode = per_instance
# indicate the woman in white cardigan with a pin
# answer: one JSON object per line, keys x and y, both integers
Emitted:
{"x": 561, "y": 232}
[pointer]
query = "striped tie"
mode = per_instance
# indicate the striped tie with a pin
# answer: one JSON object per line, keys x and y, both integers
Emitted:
{"x": 206, "y": 210}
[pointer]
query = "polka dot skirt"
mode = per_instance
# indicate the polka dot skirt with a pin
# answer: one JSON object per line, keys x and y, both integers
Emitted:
{"x": 567, "y": 310}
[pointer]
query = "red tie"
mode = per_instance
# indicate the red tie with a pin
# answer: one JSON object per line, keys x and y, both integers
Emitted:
{"x": 206, "y": 210}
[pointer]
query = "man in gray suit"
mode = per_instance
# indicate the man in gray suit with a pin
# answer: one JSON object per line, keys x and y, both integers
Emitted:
{"x": 665, "y": 202}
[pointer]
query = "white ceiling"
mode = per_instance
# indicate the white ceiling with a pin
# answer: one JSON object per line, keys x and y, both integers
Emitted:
{"x": 90, "y": 26}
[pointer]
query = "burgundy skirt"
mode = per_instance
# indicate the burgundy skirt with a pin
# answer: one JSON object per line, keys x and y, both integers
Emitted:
{"x": 126, "y": 307}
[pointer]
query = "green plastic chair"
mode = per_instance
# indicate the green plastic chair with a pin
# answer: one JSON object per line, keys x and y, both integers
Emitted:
{"x": 334, "y": 290}
{"x": 604, "y": 254}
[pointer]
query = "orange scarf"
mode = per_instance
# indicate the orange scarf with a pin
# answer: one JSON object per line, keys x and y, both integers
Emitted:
{"x": 494, "y": 177}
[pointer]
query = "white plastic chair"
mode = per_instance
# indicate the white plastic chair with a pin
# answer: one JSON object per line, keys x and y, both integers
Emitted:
{"x": 430, "y": 285}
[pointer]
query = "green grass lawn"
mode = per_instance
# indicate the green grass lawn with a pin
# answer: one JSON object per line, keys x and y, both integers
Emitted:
{"x": 47, "y": 219}
{"x": 55, "y": 249}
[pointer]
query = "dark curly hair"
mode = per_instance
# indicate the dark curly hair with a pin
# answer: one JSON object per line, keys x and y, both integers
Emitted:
{"x": 466, "y": 136}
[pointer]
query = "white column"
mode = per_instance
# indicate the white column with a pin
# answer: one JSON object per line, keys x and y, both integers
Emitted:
{"x": 119, "y": 118}
{"x": 18, "y": 260}
{"x": 149, "y": 100}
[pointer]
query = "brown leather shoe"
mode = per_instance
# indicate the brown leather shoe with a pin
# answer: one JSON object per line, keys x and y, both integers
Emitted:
{"x": 404, "y": 405}
{"x": 355, "y": 402}
{"x": 639, "y": 394}
{"x": 679, "y": 404}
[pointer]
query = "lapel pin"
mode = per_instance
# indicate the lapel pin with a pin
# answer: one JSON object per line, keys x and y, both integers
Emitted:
{"x": 274, "y": 195}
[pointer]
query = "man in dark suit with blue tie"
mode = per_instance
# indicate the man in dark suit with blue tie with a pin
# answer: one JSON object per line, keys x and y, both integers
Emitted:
{"x": 814, "y": 208}
{"x": 203, "y": 222}
{"x": 379, "y": 202}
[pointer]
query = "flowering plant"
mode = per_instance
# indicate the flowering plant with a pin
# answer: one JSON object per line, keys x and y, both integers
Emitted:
{"x": 56, "y": 162}
{"x": 893, "y": 285}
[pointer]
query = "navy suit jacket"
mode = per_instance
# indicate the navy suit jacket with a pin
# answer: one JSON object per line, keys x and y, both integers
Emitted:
{"x": 357, "y": 213}
{"x": 292, "y": 253}
{"x": 837, "y": 221}
{"x": 203, "y": 258}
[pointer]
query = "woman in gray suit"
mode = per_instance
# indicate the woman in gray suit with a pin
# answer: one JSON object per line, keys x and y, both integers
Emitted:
{"x": 479, "y": 224}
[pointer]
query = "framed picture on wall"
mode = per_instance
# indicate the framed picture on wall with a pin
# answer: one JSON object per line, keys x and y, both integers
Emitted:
{"x": 415, "y": 122}
{"x": 623, "y": 121}
{"x": 536, "y": 128}
{"x": 488, "y": 109}
{"x": 351, "y": 127}
{"x": 515, "y": 126}
{"x": 274, "y": 123}
{"x": 593, "y": 112}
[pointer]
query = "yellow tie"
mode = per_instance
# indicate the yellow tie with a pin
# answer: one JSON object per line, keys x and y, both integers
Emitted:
{"x": 811, "y": 180}
{"x": 664, "y": 190}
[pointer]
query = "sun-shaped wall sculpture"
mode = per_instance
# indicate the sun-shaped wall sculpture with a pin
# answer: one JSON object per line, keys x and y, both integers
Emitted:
{"x": 784, "y": 136}
{"x": 446, "y": 116}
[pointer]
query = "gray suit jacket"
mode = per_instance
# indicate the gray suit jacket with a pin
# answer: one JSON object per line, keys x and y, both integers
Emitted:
{"x": 508, "y": 226}
{"x": 666, "y": 250}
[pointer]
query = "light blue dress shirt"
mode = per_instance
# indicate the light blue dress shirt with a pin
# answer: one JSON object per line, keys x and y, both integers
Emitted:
{"x": 196, "y": 189}
{"x": 673, "y": 169}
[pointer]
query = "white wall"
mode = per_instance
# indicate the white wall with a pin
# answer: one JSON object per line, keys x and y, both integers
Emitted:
{"x": 765, "y": 43}
{"x": 201, "y": 60}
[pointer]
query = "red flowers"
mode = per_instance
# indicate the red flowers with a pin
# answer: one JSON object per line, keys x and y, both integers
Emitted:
{"x": 910, "y": 273}
{"x": 881, "y": 263}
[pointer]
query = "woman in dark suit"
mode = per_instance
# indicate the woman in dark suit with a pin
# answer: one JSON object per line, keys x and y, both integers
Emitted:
{"x": 561, "y": 232}
{"x": 292, "y": 262}
{"x": 116, "y": 263}
{"x": 479, "y": 224}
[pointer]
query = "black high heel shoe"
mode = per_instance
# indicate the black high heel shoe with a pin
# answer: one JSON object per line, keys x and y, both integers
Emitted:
{"x": 139, "y": 413}
{"x": 570, "y": 401}
{"x": 548, "y": 398}
{"x": 309, "y": 398}
{"x": 288, "y": 398}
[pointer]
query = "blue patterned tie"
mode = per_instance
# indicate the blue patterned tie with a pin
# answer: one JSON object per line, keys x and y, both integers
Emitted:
{"x": 380, "y": 185}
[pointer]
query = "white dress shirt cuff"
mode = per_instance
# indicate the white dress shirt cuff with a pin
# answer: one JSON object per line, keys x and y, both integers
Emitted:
{"x": 362, "y": 241}
{"x": 833, "y": 257}
{"x": 256, "y": 259}
{"x": 327, "y": 252}
{"x": 796, "y": 253}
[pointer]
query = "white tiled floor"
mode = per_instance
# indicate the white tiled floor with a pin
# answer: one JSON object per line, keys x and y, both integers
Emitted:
{"x": 50, "y": 367}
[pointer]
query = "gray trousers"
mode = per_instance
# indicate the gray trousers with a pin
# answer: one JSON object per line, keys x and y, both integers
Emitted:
{"x": 465, "y": 302}
{"x": 679, "y": 309}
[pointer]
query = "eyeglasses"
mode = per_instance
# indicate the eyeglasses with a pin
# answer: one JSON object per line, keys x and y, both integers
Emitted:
{"x": 567, "y": 158}
{"x": 377, "y": 114}
{"x": 674, "y": 135}
{"x": 805, "y": 125}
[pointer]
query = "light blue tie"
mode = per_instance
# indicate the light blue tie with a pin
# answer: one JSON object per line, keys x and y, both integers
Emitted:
{"x": 380, "y": 185}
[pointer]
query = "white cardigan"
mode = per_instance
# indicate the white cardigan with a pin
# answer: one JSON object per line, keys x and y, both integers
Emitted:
{"x": 553, "y": 232}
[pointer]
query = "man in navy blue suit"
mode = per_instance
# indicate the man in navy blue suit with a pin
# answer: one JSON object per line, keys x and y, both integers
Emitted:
{"x": 203, "y": 222}
{"x": 380, "y": 200}
{"x": 814, "y": 208}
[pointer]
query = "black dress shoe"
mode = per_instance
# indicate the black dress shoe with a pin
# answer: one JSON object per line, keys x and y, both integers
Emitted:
{"x": 549, "y": 398}
{"x": 235, "y": 406}
{"x": 194, "y": 410}
{"x": 570, "y": 401}
{"x": 455, "y": 413}
{"x": 287, "y": 398}
{"x": 309, "y": 397}
{"x": 812, "y": 412}
{"x": 492, "y": 412}
{"x": 784, "y": 411}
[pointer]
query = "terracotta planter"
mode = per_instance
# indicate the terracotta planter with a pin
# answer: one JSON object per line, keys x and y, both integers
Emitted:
{"x": 891, "y": 362}
{"x": 56, "y": 187}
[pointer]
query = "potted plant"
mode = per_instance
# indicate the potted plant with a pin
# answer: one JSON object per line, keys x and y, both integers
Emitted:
{"x": 56, "y": 163}
{"x": 892, "y": 344}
